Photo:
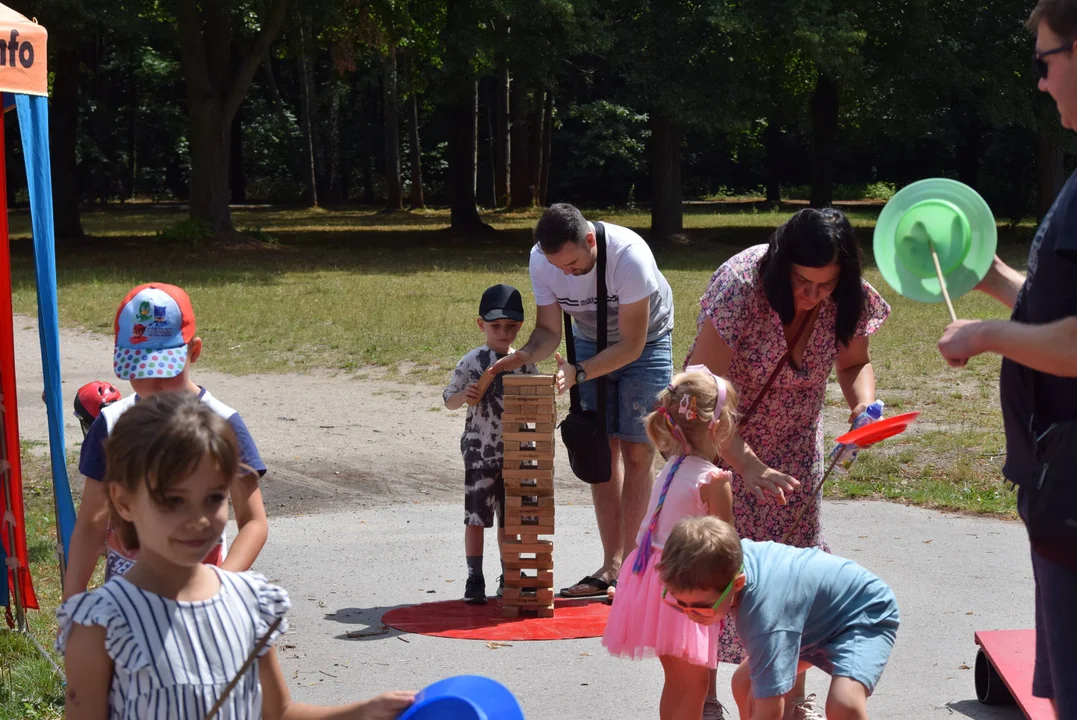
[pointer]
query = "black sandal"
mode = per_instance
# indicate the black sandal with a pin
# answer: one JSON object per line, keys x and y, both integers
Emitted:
{"x": 598, "y": 588}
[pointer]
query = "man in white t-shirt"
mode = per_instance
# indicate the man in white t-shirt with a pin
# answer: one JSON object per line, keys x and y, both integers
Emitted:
{"x": 637, "y": 361}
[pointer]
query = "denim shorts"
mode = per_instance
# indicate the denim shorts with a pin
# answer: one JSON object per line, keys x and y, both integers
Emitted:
{"x": 632, "y": 390}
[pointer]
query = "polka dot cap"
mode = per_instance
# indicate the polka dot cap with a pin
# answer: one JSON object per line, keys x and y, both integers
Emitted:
{"x": 139, "y": 364}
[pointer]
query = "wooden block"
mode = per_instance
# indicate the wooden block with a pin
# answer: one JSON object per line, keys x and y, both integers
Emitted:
{"x": 534, "y": 529}
{"x": 529, "y": 437}
{"x": 515, "y": 379}
{"x": 544, "y": 612}
{"x": 523, "y": 488}
{"x": 543, "y": 447}
{"x": 517, "y": 391}
{"x": 527, "y": 474}
{"x": 531, "y": 402}
{"x": 516, "y": 596}
{"x": 512, "y": 503}
{"x": 530, "y": 427}
{"x": 525, "y": 417}
{"x": 528, "y": 538}
{"x": 528, "y": 564}
{"x": 546, "y": 464}
{"x": 515, "y": 456}
{"x": 528, "y": 512}
{"x": 510, "y": 611}
{"x": 542, "y": 580}
{"x": 512, "y": 545}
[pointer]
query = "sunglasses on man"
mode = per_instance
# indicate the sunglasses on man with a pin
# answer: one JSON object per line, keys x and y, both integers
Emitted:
{"x": 1041, "y": 64}
{"x": 704, "y": 614}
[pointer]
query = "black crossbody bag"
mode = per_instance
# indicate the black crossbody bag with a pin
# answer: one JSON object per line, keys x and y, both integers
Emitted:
{"x": 584, "y": 432}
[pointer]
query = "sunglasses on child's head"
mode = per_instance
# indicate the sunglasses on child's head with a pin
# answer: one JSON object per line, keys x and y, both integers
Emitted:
{"x": 707, "y": 612}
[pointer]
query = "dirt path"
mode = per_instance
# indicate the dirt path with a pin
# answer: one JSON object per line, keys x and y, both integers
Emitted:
{"x": 331, "y": 441}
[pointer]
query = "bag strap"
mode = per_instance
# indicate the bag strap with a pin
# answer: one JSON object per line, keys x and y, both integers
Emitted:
{"x": 777, "y": 368}
{"x": 600, "y": 341}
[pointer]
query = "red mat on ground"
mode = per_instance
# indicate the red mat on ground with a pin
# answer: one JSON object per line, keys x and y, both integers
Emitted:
{"x": 572, "y": 619}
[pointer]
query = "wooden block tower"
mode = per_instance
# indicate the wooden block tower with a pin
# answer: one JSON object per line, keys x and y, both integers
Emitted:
{"x": 527, "y": 428}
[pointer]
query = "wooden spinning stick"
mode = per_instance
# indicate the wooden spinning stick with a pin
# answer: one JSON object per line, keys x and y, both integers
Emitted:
{"x": 942, "y": 281}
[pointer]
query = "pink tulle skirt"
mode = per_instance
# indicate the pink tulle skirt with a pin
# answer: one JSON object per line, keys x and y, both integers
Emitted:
{"x": 641, "y": 625}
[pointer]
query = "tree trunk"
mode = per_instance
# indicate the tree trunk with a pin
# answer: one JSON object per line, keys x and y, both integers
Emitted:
{"x": 63, "y": 139}
{"x": 1050, "y": 173}
{"x": 214, "y": 94}
{"x": 519, "y": 189}
{"x": 547, "y": 147}
{"x": 503, "y": 163}
{"x": 475, "y": 142}
{"x": 394, "y": 192}
{"x": 534, "y": 148}
{"x": 334, "y": 155}
{"x": 824, "y": 112}
{"x": 237, "y": 181}
{"x": 772, "y": 138}
{"x": 416, "y": 198}
{"x": 667, "y": 219}
{"x": 310, "y": 165}
{"x": 464, "y": 214}
{"x": 491, "y": 152}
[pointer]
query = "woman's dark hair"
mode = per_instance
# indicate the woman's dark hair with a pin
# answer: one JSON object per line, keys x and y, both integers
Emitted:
{"x": 815, "y": 238}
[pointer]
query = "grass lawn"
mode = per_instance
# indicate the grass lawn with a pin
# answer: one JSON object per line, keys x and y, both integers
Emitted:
{"x": 348, "y": 289}
{"x": 29, "y": 687}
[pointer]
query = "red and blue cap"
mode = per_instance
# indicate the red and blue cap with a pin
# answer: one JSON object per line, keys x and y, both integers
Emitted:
{"x": 154, "y": 325}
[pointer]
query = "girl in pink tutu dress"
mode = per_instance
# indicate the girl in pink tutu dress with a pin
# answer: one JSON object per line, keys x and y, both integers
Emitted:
{"x": 693, "y": 416}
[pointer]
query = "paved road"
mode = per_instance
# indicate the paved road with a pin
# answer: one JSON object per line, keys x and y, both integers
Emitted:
{"x": 952, "y": 575}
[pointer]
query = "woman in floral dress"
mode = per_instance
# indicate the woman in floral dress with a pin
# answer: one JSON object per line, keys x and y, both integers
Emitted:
{"x": 809, "y": 272}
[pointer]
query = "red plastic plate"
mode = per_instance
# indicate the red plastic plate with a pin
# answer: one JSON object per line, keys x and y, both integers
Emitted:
{"x": 870, "y": 434}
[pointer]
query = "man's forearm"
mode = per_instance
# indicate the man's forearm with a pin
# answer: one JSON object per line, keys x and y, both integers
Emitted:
{"x": 1003, "y": 283}
{"x": 616, "y": 356}
{"x": 1049, "y": 348}
{"x": 541, "y": 345}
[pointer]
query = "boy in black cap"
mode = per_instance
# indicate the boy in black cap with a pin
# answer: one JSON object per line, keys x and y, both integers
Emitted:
{"x": 501, "y": 312}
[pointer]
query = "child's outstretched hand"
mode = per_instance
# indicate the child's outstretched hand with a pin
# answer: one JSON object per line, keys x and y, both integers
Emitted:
{"x": 387, "y": 706}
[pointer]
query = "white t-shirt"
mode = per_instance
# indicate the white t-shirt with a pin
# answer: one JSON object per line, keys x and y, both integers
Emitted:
{"x": 631, "y": 276}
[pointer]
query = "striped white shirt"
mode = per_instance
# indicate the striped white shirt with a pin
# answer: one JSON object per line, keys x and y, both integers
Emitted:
{"x": 173, "y": 659}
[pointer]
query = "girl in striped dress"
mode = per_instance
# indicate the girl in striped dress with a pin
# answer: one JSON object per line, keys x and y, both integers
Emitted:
{"x": 166, "y": 639}
{"x": 693, "y": 416}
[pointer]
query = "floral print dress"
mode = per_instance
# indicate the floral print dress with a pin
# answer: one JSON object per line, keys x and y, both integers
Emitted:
{"x": 786, "y": 430}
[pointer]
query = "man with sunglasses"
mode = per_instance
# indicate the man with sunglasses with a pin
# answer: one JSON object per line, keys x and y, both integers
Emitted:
{"x": 794, "y": 608}
{"x": 1038, "y": 384}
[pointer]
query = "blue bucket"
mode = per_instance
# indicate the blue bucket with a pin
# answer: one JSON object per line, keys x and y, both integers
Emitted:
{"x": 465, "y": 697}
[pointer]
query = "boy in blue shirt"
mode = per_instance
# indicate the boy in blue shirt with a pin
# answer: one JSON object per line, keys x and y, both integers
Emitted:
{"x": 794, "y": 607}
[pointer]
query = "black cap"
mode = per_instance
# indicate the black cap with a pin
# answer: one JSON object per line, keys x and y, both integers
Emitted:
{"x": 501, "y": 302}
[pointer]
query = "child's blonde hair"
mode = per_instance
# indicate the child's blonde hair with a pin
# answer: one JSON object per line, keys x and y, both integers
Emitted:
{"x": 158, "y": 443}
{"x": 701, "y": 553}
{"x": 689, "y": 406}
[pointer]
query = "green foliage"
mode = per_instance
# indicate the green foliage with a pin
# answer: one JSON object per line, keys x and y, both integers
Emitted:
{"x": 189, "y": 231}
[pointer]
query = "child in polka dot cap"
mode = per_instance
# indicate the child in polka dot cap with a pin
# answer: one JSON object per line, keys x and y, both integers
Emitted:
{"x": 156, "y": 345}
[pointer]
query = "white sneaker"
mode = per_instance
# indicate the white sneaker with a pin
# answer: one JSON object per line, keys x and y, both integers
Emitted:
{"x": 713, "y": 710}
{"x": 807, "y": 709}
